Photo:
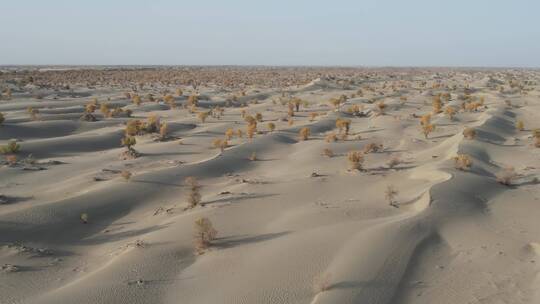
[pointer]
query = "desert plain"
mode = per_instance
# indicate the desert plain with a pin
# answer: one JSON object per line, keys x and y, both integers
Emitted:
{"x": 269, "y": 185}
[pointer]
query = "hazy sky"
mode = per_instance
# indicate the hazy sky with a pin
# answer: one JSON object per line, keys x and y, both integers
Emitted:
{"x": 272, "y": 32}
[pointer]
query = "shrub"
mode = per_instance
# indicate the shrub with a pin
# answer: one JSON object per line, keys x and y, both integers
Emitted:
{"x": 394, "y": 161}
{"x": 84, "y": 218}
{"x": 520, "y": 125}
{"x": 313, "y": 115}
{"x": 250, "y": 120}
{"x": 253, "y": 156}
{"x": 437, "y": 105}
{"x": 192, "y": 100}
{"x": 304, "y": 133}
{"x": 239, "y": 133}
{"x": 243, "y": 113}
{"x": 462, "y": 162}
{"x": 343, "y": 124}
{"x": 290, "y": 121}
{"x": 33, "y": 113}
{"x": 390, "y": 194}
{"x": 356, "y": 159}
{"x": 163, "y": 131}
{"x": 450, "y": 111}
{"x": 469, "y": 133}
{"x": 259, "y": 117}
{"x": 202, "y": 116}
{"x": 128, "y": 142}
{"x": 506, "y": 176}
{"x": 2, "y": 118}
{"x": 90, "y": 108}
{"x": 331, "y": 138}
{"x": 328, "y": 152}
{"x": 229, "y": 134}
{"x": 11, "y": 147}
{"x": 427, "y": 129}
{"x": 220, "y": 143}
{"x": 126, "y": 175}
{"x": 179, "y": 92}
{"x": 133, "y": 127}
{"x": 136, "y": 99}
{"x": 104, "y": 109}
{"x": 204, "y": 234}
{"x": 372, "y": 147}
{"x": 381, "y": 106}
{"x": 251, "y": 130}
{"x": 271, "y": 126}
{"x": 425, "y": 119}
{"x": 194, "y": 195}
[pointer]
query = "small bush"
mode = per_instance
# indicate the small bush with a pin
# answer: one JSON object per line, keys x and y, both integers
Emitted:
{"x": 193, "y": 195}
{"x": 271, "y": 126}
{"x": 520, "y": 125}
{"x": 128, "y": 142}
{"x": 394, "y": 161}
{"x": 126, "y": 175}
{"x": 328, "y": 152}
{"x": 390, "y": 194}
{"x": 372, "y": 147}
{"x": 163, "y": 131}
{"x": 204, "y": 234}
{"x": 343, "y": 124}
{"x": 332, "y": 137}
{"x": 84, "y": 218}
{"x": 251, "y": 130}
{"x": 259, "y": 117}
{"x": 313, "y": 115}
{"x": 304, "y": 133}
{"x": 253, "y": 156}
{"x": 356, "y": 159}
{"x": 202, "y": 116}
{"x": 425, "y": 119}
{"x": 506, "y": 176}
{"x": 469, "y": 133}
{"x": 427, "y": 129}
{"x": 11, "y": 147}
{"x": 229, "y": 134}
{"x": 450, "y": 111}
{"x": 2, "y": 118}
{"x": 462, "y": 162}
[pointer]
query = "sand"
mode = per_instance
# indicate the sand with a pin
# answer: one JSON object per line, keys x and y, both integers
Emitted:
{"x": 294, "y": 225}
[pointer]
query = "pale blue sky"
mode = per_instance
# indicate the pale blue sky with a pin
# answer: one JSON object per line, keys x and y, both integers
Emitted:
{"x": 278, "y": 32}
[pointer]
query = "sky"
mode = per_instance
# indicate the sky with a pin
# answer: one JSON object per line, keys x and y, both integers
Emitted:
{"x": 490, "y": 33}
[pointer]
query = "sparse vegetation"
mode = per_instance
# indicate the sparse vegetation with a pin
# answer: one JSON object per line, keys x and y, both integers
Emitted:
{"x": 204, "y": 234}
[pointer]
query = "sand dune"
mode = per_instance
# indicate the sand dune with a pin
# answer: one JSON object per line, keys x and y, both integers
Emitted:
{"x": 294, "y": 225}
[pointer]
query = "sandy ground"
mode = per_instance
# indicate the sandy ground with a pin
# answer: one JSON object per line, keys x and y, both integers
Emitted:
{"x": 294, "y": 225}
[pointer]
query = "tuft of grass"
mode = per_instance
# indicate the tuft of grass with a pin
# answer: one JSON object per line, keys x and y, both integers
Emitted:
{"x": 204, "y": 235}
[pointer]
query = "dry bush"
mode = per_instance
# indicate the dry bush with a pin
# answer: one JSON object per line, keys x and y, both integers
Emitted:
{"x": 390, "y": 194}
{"x": 427, "y": 129}
{"x": 356, "y": 159}
{"x": 313, "y": 115}
{"x": 328, "y": 152}
{"x": 450, "y": 111}
{"x": 394, "y": 161}
{"x": 469, "y": 133}
{"x": 2, "y": 119}
{"x": 297, "y": 102}
{"x": 163, "y": 131}
{"x": 437, "y": 104}
{"x": 271, "y": 126}
{"x": 251, "y": 131}
{"x": 194, "y": 195}
{"x": 104, "y": 109}
{"x": 204, "y": 234}
{"x": 128, "y": 142}
{"x": 304, "y": 133}
{"x": 506, "y": 176}
{"x": 425, "y": 119}
{"x": 202, "y": 116}
{"x": 126, "y": 175}
{"x": 250, "y": 120}
{"x": 381, "y": 106}
{"x": 90, "y": 107}
{"x": 220, "y": 144}
{"x": 343, "y": 124}
{"x": 253, "y": 156}
{"x": 33, "y": 113}
{"x": 229, "y": 134}
{"x": 192, "y": 101}
{"x": 332, "y": 137}
{"x": 136, "y": 99}
{"x": 243, "y": 113}
{"x": 179, "y": 92}
{"x": 133, "y": 127}
{"x": 290, "y": 111}
{"x": 259, "y": 117}
{"x": 12, "y": 147}
{"x": 372, "y": 147}
{"x": 462, "y": 162}
{"x": 11, "y": 159}
{"x": 520, "y": 125}
{"x": 239, "y": 133}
